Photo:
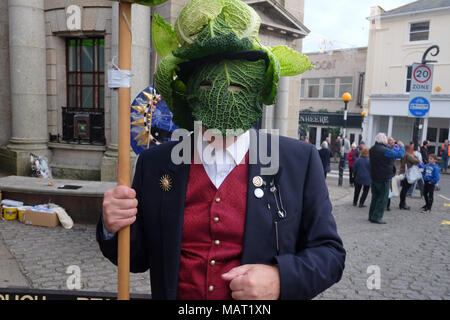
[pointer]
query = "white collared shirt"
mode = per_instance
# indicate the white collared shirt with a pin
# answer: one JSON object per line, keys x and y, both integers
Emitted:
{"x": 218, "y": 163}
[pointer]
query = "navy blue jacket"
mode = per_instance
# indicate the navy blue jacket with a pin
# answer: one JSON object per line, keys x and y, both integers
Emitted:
{"x": 361, "y": 168}
{"x": 311, "y": 254}
{"x": 325, "y": 155}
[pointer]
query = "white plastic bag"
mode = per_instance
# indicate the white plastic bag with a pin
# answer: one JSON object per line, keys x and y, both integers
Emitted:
{"x": 40, "y": 167}
{"x": 413, "y": 174}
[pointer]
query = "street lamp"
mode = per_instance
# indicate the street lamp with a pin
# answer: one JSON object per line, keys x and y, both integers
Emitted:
{"x": 346, "y": 97}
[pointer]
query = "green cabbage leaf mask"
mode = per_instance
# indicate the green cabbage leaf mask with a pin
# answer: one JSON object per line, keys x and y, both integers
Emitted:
{"x": 227, "y": 94}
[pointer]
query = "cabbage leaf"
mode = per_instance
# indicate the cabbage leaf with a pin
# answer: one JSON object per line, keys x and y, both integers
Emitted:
{"x": 164, "y": 77}
{"x": 163, "y": 37}
{"x": 227, "y": 94}
{"x": 292, "y": 63}
{"x": 215, "y": 38}
{"x": 242, "y": 19}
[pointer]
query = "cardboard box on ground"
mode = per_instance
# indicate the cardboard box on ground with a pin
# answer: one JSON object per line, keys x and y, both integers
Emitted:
{"x": 41, "y": 218}
{"x": 45, "y": 215}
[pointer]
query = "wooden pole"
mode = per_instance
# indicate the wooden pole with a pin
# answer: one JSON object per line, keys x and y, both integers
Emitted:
{"x": 123, "y": 175}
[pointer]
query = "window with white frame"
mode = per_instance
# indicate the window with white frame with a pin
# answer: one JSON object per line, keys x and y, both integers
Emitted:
{"x": 419, "y": 31}
{"x": 302, "y": 89}
{"x": 345, "y": 85}
{"x": 326, "y": 88}
{"x": 313, "y": 88}
{"x": 329, "y": 88}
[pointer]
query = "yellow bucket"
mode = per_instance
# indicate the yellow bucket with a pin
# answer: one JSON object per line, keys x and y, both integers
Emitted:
{"x": 9, "y": 213}
{"x": 21, "y": 211}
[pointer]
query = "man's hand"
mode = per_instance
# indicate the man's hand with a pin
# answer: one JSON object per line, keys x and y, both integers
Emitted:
{"x": 401, "y": 144}
{"x": 254, "y": 282}
{"x": 119, "y": 208}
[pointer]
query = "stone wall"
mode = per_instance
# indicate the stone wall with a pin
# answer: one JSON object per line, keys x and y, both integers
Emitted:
{"x": 5, "y": 99}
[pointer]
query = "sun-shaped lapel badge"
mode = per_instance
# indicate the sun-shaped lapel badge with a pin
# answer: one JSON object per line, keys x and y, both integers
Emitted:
{"x": 165, "y": 182}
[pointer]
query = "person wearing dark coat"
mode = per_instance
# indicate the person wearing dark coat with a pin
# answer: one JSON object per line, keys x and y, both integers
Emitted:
{"x": 361, "y": 169}
{"x": 183, "y": 217}
{"x": 425, "y": 152}
{"x": 381, "y": 161}
{"x": 325, "y": 155}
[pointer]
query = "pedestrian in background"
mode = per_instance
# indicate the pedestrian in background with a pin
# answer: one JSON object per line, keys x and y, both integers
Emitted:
{"x": 431, "y": 177}
{"x": 345, "y": 149}
{"x": 325, "y": 155}
{"x": 336, "y": 148}
{"x": 351, "y": 160}
{"x": 445, "y": 153}
{"x": 361, "y": 170}
{"x": 391, "y": 142}
{"x": 406, "y": 164}
{"x": 381, "y": 162}
{"x": 358, "y": 150}
{"x": 425, "y": 152}
{"x": 418, "y": 182}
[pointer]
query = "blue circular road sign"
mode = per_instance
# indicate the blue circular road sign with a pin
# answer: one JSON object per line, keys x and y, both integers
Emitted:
{"x": 419, "y": 107}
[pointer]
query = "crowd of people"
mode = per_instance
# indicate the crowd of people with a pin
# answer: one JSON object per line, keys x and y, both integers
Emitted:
{"x": 374, "y": 169}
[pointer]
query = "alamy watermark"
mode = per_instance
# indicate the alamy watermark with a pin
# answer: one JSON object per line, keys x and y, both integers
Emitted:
{"x": 374, "y": 280}
{"x": 73, "y": 21}
{"x": 73, "y": 282}
{"x": 265, "y": 152}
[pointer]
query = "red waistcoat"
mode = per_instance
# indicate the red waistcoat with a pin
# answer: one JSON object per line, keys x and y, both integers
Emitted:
{"x": 213, "y": 232}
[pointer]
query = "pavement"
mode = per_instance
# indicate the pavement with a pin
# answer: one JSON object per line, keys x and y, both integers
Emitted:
{"x": 407, "y": 258}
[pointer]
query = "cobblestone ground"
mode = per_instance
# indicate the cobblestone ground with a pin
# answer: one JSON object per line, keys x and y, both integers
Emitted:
{"x": 411, "y": 251}
{"x": 44, "y": 255}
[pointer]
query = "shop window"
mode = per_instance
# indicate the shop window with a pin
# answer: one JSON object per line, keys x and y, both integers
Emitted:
{"x": 325, "y": 132}
{"x": 419, "y": 31}
{"x": 312, "y": 135}
{"x": 432, "y": 134}
{"x": 443, "y": 134}
{"x": 345, "y": 85}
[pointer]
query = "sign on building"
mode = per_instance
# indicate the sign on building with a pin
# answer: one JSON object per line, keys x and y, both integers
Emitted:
{"x": 421, "y": 87}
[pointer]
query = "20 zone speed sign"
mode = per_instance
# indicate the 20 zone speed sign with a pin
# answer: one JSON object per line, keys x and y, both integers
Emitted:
{"x": 422, "y": 78}
{"x": 422, "y": 73}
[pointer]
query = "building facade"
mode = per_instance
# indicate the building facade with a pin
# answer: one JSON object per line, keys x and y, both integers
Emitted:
{"x": 322, "y": 108}
{"x": 399, "y": 38}
{"x": 55, "y": 99}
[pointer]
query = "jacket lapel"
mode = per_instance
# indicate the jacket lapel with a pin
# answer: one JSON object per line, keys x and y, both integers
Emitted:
{"x": 172, "y": 214}
{"x": 259, "y": 219}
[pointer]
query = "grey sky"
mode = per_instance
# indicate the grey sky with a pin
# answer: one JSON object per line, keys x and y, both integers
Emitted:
{"x": 338, "y": 24}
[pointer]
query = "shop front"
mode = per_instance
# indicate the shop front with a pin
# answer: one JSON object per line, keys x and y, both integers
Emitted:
{"x": 389, "y": 114}
{"x": 318, "y": 126}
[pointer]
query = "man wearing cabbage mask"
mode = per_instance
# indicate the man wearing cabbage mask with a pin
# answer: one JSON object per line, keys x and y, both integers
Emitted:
{"x": 222, "y": 229}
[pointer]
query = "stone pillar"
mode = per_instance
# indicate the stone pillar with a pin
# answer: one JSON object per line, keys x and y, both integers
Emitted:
{"x": 425, "y": 130}
{"x": 390, "y": 126}
{"x": 370, "y": 135}
{"x": 140, "y": 65}
{"x": 282, "y": 106}
{"x": 109, "y": 162}
{"x": 318, "y": 137}
{"x": 5, "y": 105}
{"x": 28, "y": 85}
